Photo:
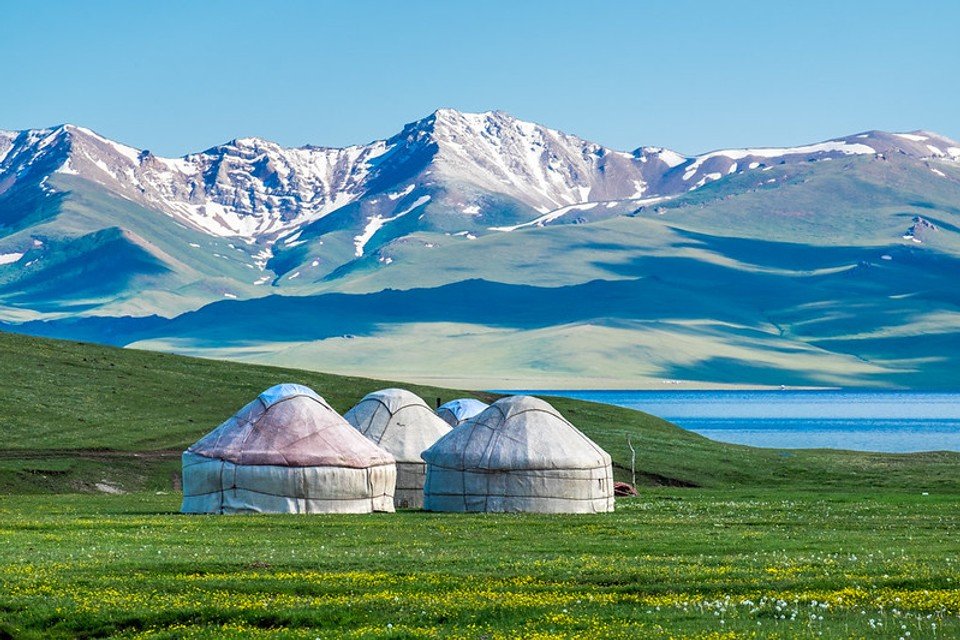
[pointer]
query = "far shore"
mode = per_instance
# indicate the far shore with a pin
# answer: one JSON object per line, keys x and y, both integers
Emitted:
{"x": 588, "y": 384}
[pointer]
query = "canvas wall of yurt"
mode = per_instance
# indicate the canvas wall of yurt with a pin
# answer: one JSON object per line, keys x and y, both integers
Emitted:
{"x": 287, "y": 451}
{"x": 403, "y": 424}
{"x": 520, "y": 454}
{"x": 458, "y": 411}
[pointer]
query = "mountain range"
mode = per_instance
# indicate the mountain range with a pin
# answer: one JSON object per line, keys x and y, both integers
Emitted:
{"x": 484, "y": 249}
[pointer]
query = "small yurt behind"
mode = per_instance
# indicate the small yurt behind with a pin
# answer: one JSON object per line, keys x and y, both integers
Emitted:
{"x": 520, "y": 454}
{"x": 287, "y": 451}
{"x": 401, "y": 423}
{"x": 458, "y": 411}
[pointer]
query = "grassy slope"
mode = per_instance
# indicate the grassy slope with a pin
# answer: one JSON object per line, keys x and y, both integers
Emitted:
{"x": 597, "y": 354}
{"x": 77, "y": 414}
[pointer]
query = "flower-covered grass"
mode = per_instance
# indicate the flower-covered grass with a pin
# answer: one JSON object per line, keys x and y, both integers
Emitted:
{"x": 676, "y": 563}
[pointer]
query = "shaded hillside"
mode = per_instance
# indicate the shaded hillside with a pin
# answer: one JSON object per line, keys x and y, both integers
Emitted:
{"x": 720, "y": 310}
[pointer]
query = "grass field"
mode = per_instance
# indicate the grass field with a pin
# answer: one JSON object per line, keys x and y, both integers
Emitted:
{"x": 724, "y": 542}
{"x": 672, "y": 563}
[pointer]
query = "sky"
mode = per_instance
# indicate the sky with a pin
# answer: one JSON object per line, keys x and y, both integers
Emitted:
{"x": 176, "y": 77}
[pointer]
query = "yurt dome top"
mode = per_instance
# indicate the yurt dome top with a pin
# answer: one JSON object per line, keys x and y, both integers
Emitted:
{"x": 399, "y": 421}
{"x": 516, "y": 433}
{"x": 460, "y": 409}
{"x": 285, "y": 390}
{"x": 290, "y": 425}
{"x": 394, "y": 399}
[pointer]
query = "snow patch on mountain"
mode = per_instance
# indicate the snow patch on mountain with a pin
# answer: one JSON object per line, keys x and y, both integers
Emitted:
{"x": 262, "y": 257}
{"x": 710, "y": 177}
{"x": 375, "y": 223}
{"x": 10, "y": 258}
{"x": 672, "y": 158}
{"x": 911, "y": 136}
{"x": 549, "y": 217}
{"x": 839, "y": 146}
{"x": 67, "y": 169}
{"x": 6, "y": 142}
{"x": 400, "y": 194}
{"x": 586, "y": 206}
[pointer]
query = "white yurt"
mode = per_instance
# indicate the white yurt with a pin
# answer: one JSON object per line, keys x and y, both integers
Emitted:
{"x": 520, "y": 454}
{"x": 403, "y": 424}
{"x": 287, "y": 451}
{"x": 458, "y": 411}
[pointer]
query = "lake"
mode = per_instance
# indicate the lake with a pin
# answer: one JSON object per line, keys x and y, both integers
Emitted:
{"x": 859, "y": 420}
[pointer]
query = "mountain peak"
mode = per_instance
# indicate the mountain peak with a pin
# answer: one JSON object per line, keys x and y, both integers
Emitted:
{"x": 71, "y": 129}
{"x": 448, "y": 113}
{"x": 445, "y": 119}
{"x": 253, "y": 188}
{"x": 252, "y": 142}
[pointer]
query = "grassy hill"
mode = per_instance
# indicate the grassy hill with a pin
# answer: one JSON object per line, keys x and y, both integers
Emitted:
{"x": 77, "y": 415}
{"x": 779, "y": 544}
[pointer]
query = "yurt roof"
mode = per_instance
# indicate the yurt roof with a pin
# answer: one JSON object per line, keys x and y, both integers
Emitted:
{"x": 290, "y": 425}
{"x": 463, "y": 408}
{"x": 394, "y": 399}
{"x": 516, "y": 433}
{"x": 398, "y": 421}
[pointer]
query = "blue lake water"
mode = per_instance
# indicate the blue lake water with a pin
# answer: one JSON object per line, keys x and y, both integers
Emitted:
{"x": 858, "y": 420}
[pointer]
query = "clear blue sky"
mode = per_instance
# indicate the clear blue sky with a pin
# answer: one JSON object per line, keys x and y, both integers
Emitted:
{"x": 177, "y": 77}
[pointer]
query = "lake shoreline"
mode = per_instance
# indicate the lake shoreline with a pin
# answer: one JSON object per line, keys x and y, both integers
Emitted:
{"x": 887, "y": 421}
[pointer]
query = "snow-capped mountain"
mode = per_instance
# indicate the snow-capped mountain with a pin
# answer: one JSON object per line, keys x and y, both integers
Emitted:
{"x": 255, "y": 189}
{"x": 544, "y": 168}
{"x": 246, "y": 188}
{"x": 697, "y": 171}
{"x": 249, "y": 215}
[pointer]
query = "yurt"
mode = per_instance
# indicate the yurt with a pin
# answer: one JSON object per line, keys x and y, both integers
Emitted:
{"x": 520, "y": 454}
{"x": 458, "y": 411}
{"x": 400, "y": 422}
{"x": 287, "y": 452}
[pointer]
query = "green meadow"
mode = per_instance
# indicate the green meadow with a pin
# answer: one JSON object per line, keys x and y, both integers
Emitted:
{"x": 724, "y": 541}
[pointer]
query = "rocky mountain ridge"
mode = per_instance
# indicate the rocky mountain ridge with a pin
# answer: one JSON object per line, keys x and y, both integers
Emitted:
{"x": 255, "y": 189}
